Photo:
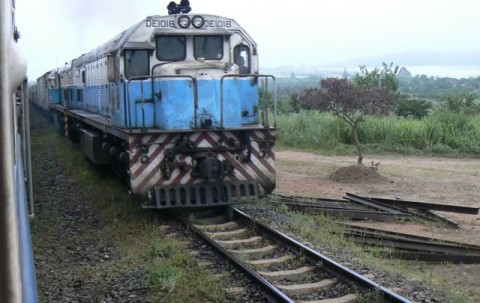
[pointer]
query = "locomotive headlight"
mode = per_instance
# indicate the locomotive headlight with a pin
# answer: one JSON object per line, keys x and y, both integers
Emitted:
{"x": 198, "y": 21}
{"x": 144, "y": 159}
{"x": 184, "y": 21}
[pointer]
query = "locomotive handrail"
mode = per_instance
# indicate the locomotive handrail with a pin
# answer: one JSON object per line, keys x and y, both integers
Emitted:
{"x": 195, "y": 92}
{"x": 265, "y": 120}
{"x": 26, "y": 153}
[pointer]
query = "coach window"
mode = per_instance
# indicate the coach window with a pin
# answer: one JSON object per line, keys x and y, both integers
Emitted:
{"x": 208, "y": 47}
{"x": 171, "y": 48}
{"x": 241, "y": 57}
{"x": 136, "y": 63}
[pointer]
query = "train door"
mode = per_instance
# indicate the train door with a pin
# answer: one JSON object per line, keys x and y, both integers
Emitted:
{"x": 244, "y": 89}
{"x": 139, "y": 88}
{"x": 54, "y": 89}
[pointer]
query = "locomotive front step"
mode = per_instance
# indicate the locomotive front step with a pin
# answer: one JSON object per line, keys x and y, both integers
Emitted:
{"x": 201, "y": 195}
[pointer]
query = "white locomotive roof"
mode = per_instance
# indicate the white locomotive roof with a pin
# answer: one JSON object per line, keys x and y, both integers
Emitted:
{"x": 141, "y": 35}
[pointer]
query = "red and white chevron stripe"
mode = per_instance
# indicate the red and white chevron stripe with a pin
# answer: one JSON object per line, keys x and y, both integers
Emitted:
{"x": 143, "y": 177}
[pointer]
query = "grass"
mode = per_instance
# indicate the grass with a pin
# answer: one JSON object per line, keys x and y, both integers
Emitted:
{"x": 443, "y": 133}
{"x": 140, "y": 247}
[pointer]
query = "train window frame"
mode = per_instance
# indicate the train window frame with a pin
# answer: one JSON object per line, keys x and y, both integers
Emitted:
{"x": 242, "y": 51}
{"x": 212, "y": 54}
{"x": 79, "y": 95}
{"x": 135, "y": 69}
{"x": 174, "y": 48}
{"x": 67, "y": 94}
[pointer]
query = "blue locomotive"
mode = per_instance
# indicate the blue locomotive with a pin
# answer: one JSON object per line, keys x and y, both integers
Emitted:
{"x": 174, "y": 103}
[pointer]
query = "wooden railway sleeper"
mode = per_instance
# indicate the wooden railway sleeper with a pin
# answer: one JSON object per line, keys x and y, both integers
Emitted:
{"x": 306, "y": 288}
{"x": 350, "y": 298}
{"x": 291, "y": 275}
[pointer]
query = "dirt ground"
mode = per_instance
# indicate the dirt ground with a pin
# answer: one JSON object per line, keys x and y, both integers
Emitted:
{"x": 415, "y": 178}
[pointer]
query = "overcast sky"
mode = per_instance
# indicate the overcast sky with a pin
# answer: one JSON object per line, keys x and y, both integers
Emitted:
{"x": 308, "y": 32}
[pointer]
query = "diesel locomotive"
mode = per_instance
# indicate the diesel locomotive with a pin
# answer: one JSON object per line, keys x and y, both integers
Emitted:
{"x": 176, "y": 104}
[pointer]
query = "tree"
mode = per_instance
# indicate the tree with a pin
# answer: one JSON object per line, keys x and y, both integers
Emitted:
{"x": 387, "y": 77}
{"x": 417, "y": 108}
{"x": 460, "y": 102}
{"x": 295, "y": 103}
{"x": 350, "y": 103}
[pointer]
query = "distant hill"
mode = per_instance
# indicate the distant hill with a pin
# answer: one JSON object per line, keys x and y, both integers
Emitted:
{"x": 419, "y": 58}
{"x": 455, "y": 64}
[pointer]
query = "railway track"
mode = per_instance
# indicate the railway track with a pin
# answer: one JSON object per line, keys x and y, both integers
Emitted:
{"x": 342, "y": 208}
{"x": 411, "y": 247}
{"x": 404, "y": 246}
{"x": 283, "y": 268}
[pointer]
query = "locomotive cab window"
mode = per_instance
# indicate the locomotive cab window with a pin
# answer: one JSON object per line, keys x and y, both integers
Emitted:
{"x": 137, "y": 63}
{"x": 208, "y": 47}
{"x": 171, "y": 48}
{"x": 241, "y": 57}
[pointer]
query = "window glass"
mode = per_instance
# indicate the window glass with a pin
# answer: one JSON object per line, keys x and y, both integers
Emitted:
{"x": 67, "y": 94}
{"x": 208, "y": 47}
{"x": 241, "y": 57}
{"x": 136, "y": 63}
{"x": 171, "y": 48}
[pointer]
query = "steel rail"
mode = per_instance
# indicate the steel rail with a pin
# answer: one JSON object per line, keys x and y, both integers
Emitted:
{"x": 436, "y": 257}
{"x": 418, "y": 248}
{"x": 323, "y": 202}
{"x": 429, "y": 206}
{"x": 375, "y": 204}
{"x": 411, "y": 244}
{"x": 440, "y": 218}
{"x": 409, "y": 236}
{"x": 393, "y": 209}
{"x": 270, "y": 291}
{"x": 350, "y": 213}
{"x": 331, "y": 266}
{"x": 436, "y": 217}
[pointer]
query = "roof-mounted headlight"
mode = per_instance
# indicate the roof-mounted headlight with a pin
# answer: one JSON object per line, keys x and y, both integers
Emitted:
{"x": 198, "y": 21}
{"x": 184, "y": 21}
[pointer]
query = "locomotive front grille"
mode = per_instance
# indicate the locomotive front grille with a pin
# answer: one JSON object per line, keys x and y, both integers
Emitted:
{"x": 200, "y": 195}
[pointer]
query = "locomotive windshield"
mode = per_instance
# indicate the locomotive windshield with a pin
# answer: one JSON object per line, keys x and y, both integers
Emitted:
{"x": 208, "y": 47}
{"x": 171, "y": 48}
{"x": 137, "y": 63}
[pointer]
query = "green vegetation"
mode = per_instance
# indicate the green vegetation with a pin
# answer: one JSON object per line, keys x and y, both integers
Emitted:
{"x": 437, "y": 88}
{"x": 443, "y": 132}
{"x": 135, "y": 243}
{"x": 372, "y": 93}
{"x": 434, "y": 89}
{"x": 446, "y": 123}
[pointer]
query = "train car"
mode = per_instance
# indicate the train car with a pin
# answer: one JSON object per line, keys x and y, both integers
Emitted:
{"x": 17, "y": 271}
{"x": 173, "y": 104}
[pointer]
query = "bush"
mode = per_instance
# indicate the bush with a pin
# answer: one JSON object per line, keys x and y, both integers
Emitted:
{"x": 441, "y": 132}
{"x": 412, "y": 108}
